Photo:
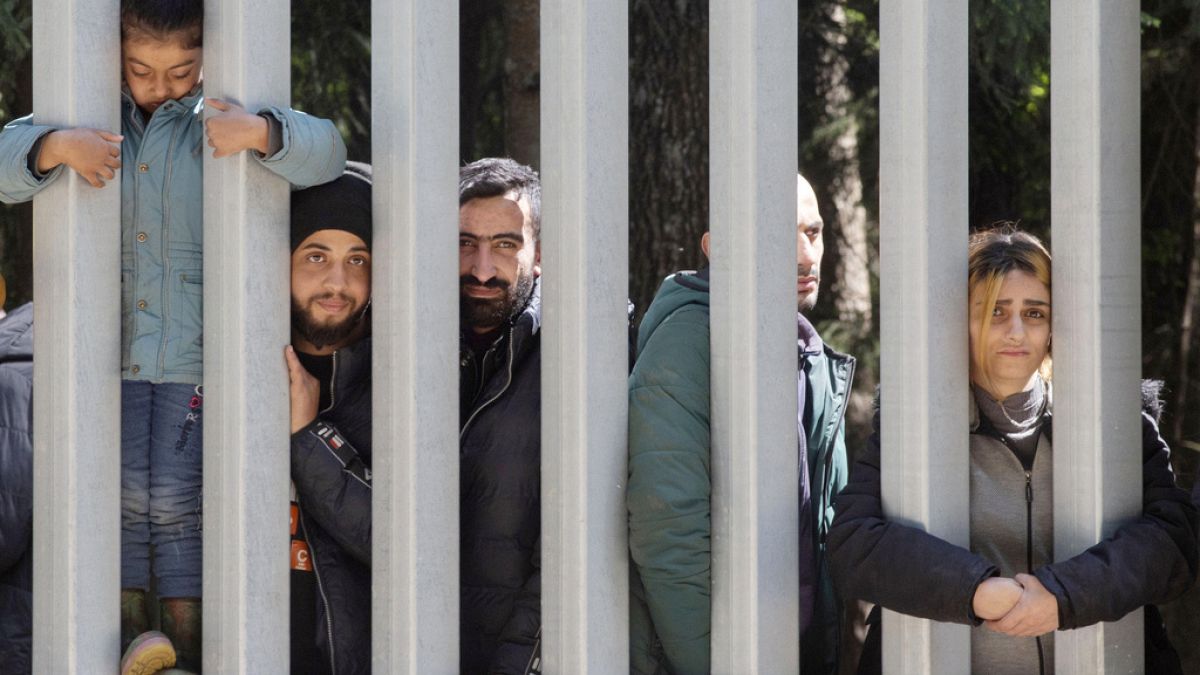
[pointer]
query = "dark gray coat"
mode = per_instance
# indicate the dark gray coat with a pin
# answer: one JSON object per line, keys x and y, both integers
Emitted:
{"x": 16, "y": 489}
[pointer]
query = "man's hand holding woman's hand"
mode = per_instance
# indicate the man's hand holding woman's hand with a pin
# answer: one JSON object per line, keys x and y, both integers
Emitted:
{"x": 1021, "y": 607}
{"x": 995, "y": 597}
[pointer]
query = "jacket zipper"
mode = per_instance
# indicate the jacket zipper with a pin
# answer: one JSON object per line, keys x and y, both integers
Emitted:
{"x": 467, "y": 424}
{"x": 321, "y": 590}
{"x": 1029, "y": 554}
{"x": 1028, "y": 528}
{"x": 332, "y": 385}
{"x": 822, "y": 534}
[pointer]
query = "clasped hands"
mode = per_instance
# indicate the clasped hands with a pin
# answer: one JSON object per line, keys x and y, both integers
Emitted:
{"x": 1020, "y": 607}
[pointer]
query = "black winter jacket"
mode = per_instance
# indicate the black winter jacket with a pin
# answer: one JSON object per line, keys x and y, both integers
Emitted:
{"x": 1147, "y": 561}
{"x": 500, "y": 483}
{"x": 331, "y": 460}
{"x": 16, "y": 489}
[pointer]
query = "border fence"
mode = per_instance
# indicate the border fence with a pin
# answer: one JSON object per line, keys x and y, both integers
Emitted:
{"x": 753, "y": 113}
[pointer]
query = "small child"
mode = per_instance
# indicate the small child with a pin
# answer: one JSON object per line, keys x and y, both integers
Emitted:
{"x": 159, "y": 152}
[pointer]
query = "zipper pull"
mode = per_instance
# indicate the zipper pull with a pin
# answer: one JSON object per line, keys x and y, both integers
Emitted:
{"x": 1028, "y": 487}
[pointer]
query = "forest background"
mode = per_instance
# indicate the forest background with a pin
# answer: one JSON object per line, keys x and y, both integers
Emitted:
{"x": 1010, "y": 94}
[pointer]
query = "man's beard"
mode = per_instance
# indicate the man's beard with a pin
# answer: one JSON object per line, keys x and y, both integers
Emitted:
{"x": 809, "y": 301}
{"x": 492, "y": 312}
{"x": 329, "y": 333}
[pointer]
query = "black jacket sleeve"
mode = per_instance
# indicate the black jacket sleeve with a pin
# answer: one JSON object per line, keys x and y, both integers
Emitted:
{"x": 16, "y": 467}
{"x": 520, "y": 636}
{"x": 16, "y": 496}
{"x": 1149, "y": 561}
{"x": 902, "y": 568}
{"x": 334, "y": 485}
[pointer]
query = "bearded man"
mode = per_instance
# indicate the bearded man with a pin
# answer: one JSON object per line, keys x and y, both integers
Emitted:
{"x": 669, "y": 489}
{"x": 499, "y": 225}
{"x": 329, "y": 370}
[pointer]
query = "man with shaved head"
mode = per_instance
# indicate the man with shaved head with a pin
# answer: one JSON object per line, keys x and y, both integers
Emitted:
{"x": 670, "y": 480}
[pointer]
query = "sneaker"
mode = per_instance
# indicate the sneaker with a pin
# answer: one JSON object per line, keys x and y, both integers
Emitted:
{"x": 149, "y": 653}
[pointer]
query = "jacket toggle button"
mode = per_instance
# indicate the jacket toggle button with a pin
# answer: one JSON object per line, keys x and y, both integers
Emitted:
{"x": 141, "y": 304}
{"x": 134, "y": 369}
{"x": 143, "y": 167}
{"x": 141, "y": 236}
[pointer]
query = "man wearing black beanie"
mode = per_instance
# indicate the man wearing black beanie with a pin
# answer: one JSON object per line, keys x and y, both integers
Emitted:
{"x": 329, "y": 370}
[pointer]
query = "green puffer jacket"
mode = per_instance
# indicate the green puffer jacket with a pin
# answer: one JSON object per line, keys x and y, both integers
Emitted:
{"x": 670, "y": 484}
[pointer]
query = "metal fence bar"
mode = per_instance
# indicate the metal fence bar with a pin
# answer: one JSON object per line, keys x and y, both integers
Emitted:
{"x": 753, "y": 159}
{"x": 1095, "y": 212}
{"x": 584, "y": 66}
{"x": 923, "y": 280}
{"x": 414, "y": 134}
{"x": 76, "y": 393}
{"x": 246, "y": 325}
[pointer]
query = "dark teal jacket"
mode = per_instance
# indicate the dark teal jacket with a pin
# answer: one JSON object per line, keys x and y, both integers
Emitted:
{"x": 670, "y": 483}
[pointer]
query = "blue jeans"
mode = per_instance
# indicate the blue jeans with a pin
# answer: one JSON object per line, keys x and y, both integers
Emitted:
{"x": 161, "y": 473}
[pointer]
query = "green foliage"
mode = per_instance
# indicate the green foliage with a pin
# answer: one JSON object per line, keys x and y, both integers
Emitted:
{"x": 16, "y": 18}
{"x": 1009, "y": 88}
{"x": 331, "y": 68}
{"x": 1170, "y": 121}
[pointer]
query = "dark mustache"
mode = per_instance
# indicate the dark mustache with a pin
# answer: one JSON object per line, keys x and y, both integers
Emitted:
{"x": 494, "y": 282}
{"x": 330, "y": 296}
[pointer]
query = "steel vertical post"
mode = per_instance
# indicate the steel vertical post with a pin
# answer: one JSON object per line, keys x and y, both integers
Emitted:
{"x": 77, "y": 342}
{"x": 584, "y": 157}
{"x": 1096, "y": 219}
{"x": 414, "y": 134}
{"x": 753, "y": 161}
{"x": 246, "y": 306}
{"x": 923, "y": 277}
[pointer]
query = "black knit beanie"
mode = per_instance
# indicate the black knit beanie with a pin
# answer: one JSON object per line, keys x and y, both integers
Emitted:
{"x": 341, "y": 204}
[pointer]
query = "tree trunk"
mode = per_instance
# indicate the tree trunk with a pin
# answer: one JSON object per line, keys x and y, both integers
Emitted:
{"x": 850, "y": 281}
{"x": 668, "y": 141}
{"x": 852, "y": 278}
{"x": 1191, "y": 303}
{"x": 522, "y": 71}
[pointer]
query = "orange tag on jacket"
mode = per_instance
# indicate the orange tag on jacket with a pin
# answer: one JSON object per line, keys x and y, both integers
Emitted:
{"x": 295, "y": 518}
{"x": 301, "y": 560}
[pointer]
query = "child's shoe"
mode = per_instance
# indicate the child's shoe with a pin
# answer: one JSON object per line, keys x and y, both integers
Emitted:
{"x": 149, "y": 653}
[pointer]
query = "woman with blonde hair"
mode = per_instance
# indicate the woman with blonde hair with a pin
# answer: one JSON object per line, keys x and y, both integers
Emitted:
{"x": 1008, "y": 585}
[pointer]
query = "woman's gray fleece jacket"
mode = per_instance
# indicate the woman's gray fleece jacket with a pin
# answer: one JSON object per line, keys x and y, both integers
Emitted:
{"x": 1149, "y": 560}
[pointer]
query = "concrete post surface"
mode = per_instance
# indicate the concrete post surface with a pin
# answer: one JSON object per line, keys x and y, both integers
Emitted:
{"x": 414, "y": 134}
{"x": 77, "y": 342}
{"x": 246, "y": 325}
{"x": 584, "y": 169}
{"x": 753, "y": 160}
{"x": 1096, "y": 217}
{"x": 923, "y": 277}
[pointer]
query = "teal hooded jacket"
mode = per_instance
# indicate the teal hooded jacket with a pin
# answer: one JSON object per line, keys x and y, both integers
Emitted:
{"x": 670, "y": 484}
{"x": 162, "y": 218}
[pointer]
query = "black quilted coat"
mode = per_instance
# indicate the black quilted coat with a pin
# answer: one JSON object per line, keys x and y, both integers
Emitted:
{"x": 500, "y": 515}
{"x": 331, "y": 460}
{"x": 16, "y": 489}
